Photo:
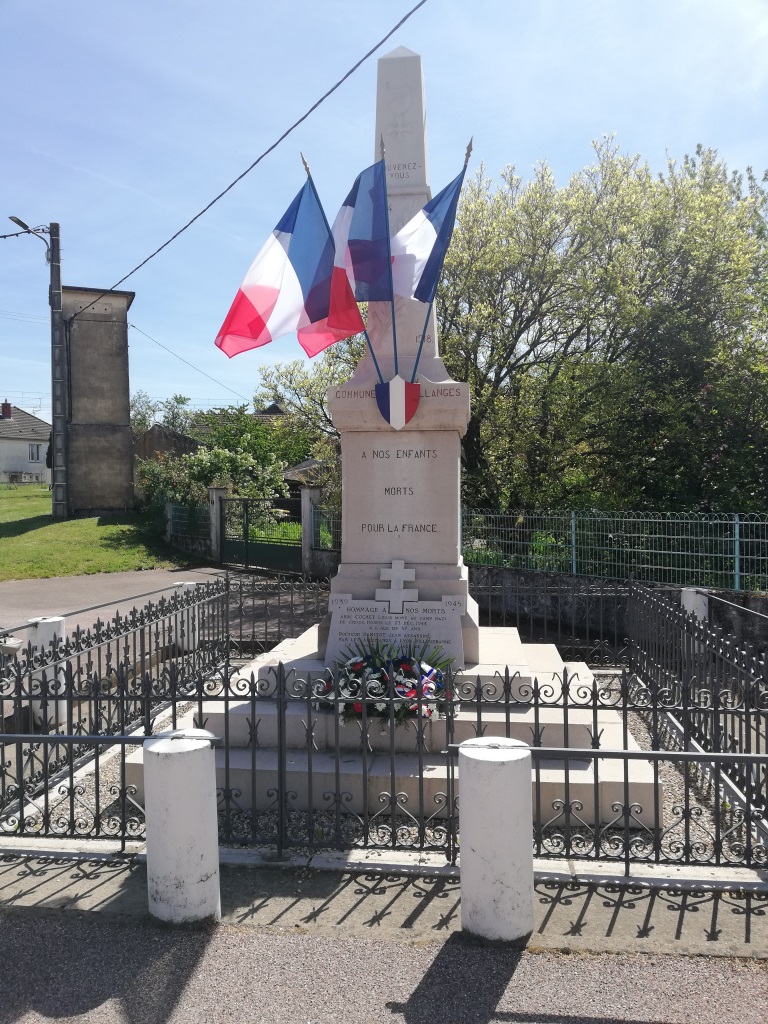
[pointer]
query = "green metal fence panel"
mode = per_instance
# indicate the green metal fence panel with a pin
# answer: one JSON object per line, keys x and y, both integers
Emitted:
{"x": 725, "y": 551}
{"x": 190, "y": 521}
{"x": 255, "y": 534}
{"x": 717, "y": 550}
{"x": 326, "y": 529}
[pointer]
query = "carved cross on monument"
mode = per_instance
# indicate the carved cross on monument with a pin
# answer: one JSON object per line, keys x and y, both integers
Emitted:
{"x": 396, "y": 596}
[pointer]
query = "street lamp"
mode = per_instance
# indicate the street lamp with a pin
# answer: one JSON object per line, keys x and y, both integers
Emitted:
{"x": 38, "y": 232}
{"x": 59, "y": 365}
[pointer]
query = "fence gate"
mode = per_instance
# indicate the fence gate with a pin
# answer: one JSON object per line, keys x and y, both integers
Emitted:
{"x": 262, "y": 535}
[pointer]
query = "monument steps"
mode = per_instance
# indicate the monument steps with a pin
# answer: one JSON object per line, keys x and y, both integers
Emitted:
{"x": 327, "y": 734}
{"x": 370, "y": 784}
{"x": 250, "y": 728}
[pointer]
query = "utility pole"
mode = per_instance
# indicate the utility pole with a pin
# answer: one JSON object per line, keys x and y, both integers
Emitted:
{"x": 60, "y": 411}
{"x": 59, "y": 384}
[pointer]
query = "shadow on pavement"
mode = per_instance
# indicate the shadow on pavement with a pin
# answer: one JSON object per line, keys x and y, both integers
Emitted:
{"x": 466, "y": 982}
{"x": 391, "y": 905}
{"x": 119, "y": 957}
{"x": 573, "y": 915}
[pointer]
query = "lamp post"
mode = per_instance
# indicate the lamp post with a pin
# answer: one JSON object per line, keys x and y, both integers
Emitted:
{"x": 59, "y": 367}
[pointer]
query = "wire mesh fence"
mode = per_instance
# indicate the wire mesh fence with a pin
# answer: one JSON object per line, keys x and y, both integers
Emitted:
{"x": 189, "y": 522}
{"x": 326, "y": 529}
{"x": 727, "y": 551}
{"x": 718, "y": 550}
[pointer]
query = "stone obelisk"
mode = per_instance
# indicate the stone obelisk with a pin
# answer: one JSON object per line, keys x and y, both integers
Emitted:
{"x": 402, "y": 577}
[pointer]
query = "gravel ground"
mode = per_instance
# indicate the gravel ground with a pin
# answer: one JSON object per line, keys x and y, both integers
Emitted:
{"x": 88, "y": 968}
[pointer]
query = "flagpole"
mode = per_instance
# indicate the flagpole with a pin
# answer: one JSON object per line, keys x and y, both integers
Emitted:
{"x": 421, "y": 343}
{"x": 431, "y": 301}
{"x": 389, "y": 257}
{"x": 317, "y": 197}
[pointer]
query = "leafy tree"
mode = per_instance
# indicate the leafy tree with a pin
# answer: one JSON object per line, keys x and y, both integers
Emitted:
{"x": 173, "y": 413}
{"x": 143, "y": 413}
{"x": 176, "y": 414}
{"x": 579, "y": 315}
{"x": 301, "y": 390}
{"x": 186, "y": 479}
{"x": 234, "y": 427}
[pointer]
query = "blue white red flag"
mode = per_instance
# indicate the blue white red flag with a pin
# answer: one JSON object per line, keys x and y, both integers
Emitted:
{"x": 397, "y": 401}
{"x": 360, "y": 235}
{"x": 288, "y": 287}
{"x": 419, "y": 248}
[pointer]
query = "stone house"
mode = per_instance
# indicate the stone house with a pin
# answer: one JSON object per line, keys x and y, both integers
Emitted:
{"x": 23, "y": 445}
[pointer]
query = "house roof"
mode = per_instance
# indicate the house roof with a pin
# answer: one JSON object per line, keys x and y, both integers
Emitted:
{"x": 23, "y": 426}
{"x": 271, "y": 410}
{"x": 305, "y": 472}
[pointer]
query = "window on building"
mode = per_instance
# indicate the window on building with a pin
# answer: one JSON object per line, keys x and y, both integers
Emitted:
{"x": 34, "y": 452}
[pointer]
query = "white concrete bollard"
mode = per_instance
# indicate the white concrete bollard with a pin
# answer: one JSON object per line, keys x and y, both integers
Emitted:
{"x": 496, "y": 818}
{"x": 182, "y": 826}
{"x": 46, "y": 629}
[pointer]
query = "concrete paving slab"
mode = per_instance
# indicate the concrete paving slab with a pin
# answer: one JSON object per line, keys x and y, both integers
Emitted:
{"x": 395, "y": 906}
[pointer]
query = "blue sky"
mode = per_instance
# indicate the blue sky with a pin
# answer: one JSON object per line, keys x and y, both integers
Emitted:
{"x": 121, "y": 121}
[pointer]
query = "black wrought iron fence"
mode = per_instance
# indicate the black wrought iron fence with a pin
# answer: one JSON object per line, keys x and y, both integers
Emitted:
{"x": 585, "y": 617}
{"x": 343, "y": 760}
{"x": 103, "y": 682}
{"x": 711, "y": 690}
{"x": 263, "y": 611}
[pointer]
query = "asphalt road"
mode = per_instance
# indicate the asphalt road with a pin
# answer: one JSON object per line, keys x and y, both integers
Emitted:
{"x": 86, "y": 969}
{"x": 83, "y": 599}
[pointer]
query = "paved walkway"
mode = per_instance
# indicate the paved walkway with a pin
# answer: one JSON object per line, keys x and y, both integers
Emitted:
{"x": 99, "y": 595}
{"x": 301, "y": 945}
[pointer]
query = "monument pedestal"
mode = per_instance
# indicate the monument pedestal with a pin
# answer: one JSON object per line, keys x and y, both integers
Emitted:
{"x": 401, "y": 515}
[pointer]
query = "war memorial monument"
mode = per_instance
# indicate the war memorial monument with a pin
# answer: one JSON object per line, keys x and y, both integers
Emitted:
{"x": 402, "y": 580}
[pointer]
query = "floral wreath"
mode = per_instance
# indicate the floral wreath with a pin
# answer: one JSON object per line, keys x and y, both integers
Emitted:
{"x": 389, "y": 682}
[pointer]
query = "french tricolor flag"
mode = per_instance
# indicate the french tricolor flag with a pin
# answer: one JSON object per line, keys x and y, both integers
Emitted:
{"x": 419, "y": 248}
{"x": 288, "y": 287}
{"x": 360, "y": 235}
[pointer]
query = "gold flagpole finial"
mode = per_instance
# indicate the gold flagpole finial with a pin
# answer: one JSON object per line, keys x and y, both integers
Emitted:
{"x": 383, "y": 150}
{"x": 306, "y": 165}
{"x": 468, "y": 153}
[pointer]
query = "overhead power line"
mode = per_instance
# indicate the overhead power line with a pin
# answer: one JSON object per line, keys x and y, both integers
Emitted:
{"x": 183, "y": 360}
{"x": 30, "y": 318}
{"x": 258, "y": 159}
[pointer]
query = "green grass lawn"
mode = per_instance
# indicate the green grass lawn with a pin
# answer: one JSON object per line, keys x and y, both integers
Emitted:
{"x": 34, "y": 545}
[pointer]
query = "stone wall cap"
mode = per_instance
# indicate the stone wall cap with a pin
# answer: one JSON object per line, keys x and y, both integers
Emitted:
{"x": 495, "y": 748}
{"x": 177, "y": 741}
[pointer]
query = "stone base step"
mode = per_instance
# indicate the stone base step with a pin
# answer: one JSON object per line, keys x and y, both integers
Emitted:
{"x": 329, "y": 731}
{"x": 500, "y": 651}
{"x": 370, "y": 784}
